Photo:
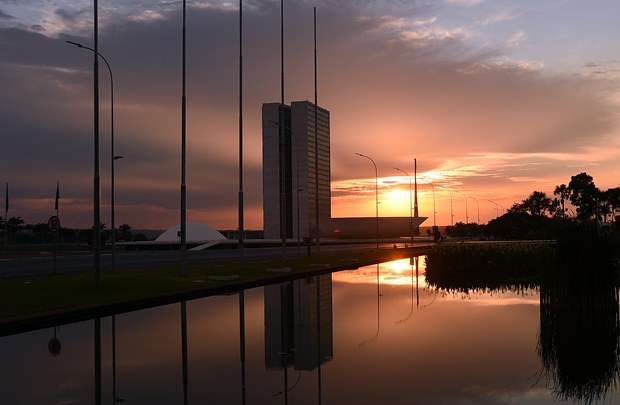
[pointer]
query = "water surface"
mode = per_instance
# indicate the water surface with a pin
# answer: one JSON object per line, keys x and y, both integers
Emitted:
{"x": 376, "y": 335}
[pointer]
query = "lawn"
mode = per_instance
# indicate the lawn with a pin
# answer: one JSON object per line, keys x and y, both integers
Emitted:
{"x": 30, "y": 298}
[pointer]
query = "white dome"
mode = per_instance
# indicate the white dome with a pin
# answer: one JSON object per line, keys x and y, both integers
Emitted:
{"x": 195, "y": 233}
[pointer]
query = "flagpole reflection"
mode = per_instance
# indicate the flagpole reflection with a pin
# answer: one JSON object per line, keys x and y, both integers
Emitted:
{"x": 242, "y": 343}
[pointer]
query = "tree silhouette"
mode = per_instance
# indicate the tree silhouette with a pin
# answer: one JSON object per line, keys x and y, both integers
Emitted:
{"x": 124, "y": 232}
{"x": 537, "y": 204}
{"x": 563, "y": 194}
{"x": 584, "y": 196}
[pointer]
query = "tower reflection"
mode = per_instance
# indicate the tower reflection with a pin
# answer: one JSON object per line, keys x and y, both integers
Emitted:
{"x": 292, "y": 333}
{"x": 298, "y": 327}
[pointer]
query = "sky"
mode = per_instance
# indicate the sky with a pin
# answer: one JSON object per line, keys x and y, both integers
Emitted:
{"x": 495, "y": 99}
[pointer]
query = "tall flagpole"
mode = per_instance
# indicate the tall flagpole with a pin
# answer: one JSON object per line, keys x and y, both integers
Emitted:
{"x": 415, "y": 202}
{"x": 282, "y": 134}
{"x": 183, "y": 158}
{"x": 241, "y": 224}
{"x": 96, "y": 177}
{"x": 6, "y": 216}
{"x": 282, "y": 51}
{"x": 316, "y": 145}
{"x": 56, "y": 238}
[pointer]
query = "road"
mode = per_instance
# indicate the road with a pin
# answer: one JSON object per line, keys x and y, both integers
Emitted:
{"x": 17, "y": 267}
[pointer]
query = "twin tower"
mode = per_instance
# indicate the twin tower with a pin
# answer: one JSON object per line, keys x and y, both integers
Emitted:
{"x": 289, "y": 159}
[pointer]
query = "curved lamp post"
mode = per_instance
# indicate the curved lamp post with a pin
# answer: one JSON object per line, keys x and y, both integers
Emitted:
{"x": 410, "y": 202}
{"x": 376, "y": 193}
{"x": 477, "y": 206}
{"x": 451, "y": 210}
{"x": 434, "y": 210}
{"x": 496, "y": 208}
{"x": 113, "y": 157}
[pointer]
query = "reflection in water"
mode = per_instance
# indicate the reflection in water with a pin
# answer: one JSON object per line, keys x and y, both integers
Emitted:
{"x": 293, "y": 335}
{"x": 579, "y": 334}
{"x": 376, "y": 335}
{"x": 571, "y": 340}
{"x": 54, "y": 346}
{"x": 242, "y": 342}
{"x": 184, "y": 350}
{"x": 298, "y": 327}
{"x": 98, "y": 361}
{"x": 393, "y": 273}
{"x": 579, "y": 339}
{"x": 115, "y": 397}
{"x": 414, "y": 263}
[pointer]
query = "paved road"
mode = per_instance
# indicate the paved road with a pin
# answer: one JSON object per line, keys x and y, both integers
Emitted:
{"x": 148, "y": 259}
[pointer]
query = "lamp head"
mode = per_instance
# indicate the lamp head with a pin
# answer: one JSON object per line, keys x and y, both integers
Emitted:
{"x": 75, "y": 44}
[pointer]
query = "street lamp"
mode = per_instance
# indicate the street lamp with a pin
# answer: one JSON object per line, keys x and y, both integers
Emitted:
{"x": 451, "y": 210}
{"x": 496, "y": 208}
{"x": 466, "y": 212}
{"x": 97, "y": 220}
{"x": 477, "y": 206}
{"x": 434, "y": 210}
{"x": 410, "y": 202}
{"x": 113, "y": 157}
{"x": 376, "y": 193}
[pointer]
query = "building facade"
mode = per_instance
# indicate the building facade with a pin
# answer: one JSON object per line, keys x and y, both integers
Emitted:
{"x": 289, "y": 181}
{"x": 289, "y": 158}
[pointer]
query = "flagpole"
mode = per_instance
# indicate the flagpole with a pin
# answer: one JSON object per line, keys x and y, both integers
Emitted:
{"x": 241, "y": 217}
{"x": 56, "y": 234}
{"x": 6, "y": 217}
{"x": 96, "y": 176}
{"x": 282, "y": 134}
{"x": 183, "y": 226}
{"x": 316, "y": 147}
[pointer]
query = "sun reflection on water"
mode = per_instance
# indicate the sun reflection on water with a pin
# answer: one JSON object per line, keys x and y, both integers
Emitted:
{"x": 396, "y": 272}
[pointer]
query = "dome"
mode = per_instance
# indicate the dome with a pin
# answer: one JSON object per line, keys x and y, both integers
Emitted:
{"x": 195, "y": 233}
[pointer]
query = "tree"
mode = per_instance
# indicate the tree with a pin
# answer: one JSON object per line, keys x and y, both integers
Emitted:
{"x": 603, "y": 207}
{"x": 584, "y": 196}
{"x": 124, "y": 232}
{"x": 563, "y": 194}
{"x": 14, "y": 224}
{"x": 537, "y": 204}
{"x": 613, "y": 199}
{"x": 464, "y": 230}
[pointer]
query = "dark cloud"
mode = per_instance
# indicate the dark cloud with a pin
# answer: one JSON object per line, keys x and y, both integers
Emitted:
{"x": 72, "y": 15}
{"x": 5, "y": 16}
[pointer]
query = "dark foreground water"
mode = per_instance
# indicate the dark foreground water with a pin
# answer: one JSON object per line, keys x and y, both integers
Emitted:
{"x": 367, "y": 336}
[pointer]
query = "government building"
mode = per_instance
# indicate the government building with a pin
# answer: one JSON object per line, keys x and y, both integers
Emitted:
{"x": 289, "y": 183}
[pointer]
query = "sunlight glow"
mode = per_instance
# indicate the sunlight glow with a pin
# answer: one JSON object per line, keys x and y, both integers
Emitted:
{"x": 397, "y": 273}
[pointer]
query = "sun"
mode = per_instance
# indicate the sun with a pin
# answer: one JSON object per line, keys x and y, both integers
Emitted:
{"x": 395, "y": 202}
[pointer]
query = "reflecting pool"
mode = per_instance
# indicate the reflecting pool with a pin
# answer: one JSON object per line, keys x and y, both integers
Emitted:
{"x": 376, "y": 335}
